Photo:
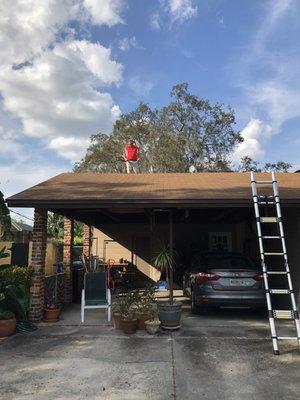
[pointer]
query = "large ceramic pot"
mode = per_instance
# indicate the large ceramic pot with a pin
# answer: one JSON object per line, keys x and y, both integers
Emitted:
{"x": 141, "y": 321}
{"x": 51, "y": 314}
{"x": 117, "y": 321}
{"x": 169, "y": 315}
{"x": 152, "y": 326}
{"x": 129, "y": 326}
{"x": 7, "y": 327}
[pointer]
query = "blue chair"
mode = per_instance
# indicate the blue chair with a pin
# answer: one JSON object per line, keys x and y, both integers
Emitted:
{"x": 95, "y": 294}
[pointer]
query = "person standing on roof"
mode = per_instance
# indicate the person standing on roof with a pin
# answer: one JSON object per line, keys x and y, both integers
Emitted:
{"x": 131, "y": 155}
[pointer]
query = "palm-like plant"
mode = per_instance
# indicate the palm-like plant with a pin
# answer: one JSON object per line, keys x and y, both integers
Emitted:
{"x": 164, "y": 262}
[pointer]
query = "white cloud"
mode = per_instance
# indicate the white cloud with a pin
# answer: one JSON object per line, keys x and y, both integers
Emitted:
{"x": 29, "y": 27}
{"x": 155, "y": 21}
{"x": 254, "y": 134}
{"x": 105, "y": 11}
{"x": 181, "y": 10}
{"x": 140, "y": 87}
{"x": 129, "y": 42}
{"x": 70, "y": 148}
{"x": 57, "y": 94}
{"x": 175, "y": 11}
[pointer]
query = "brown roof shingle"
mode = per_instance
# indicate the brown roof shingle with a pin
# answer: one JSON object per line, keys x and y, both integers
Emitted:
{"x": 70, "y": 189}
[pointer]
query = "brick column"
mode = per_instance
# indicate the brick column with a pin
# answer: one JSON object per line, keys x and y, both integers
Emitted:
{"x": 39, "y": 244}
{"x": 87, "y": 233}
{"x": 68, "y": 257}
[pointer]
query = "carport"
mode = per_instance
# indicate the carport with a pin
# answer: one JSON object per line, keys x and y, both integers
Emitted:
{"x": 151, "y": 208}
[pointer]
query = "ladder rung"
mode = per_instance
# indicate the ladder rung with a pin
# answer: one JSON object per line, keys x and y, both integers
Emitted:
{"x": 268, "y": 219}
{"x": 266, "y": 202}
{"x": 284, "y": 314}
{"x": 274, "y": 254}
{"x": 262, "y": 182}
{"x": 288, "y": 338}
{"x": 272, "y": 237}
{"x": 279, "y": 291}
{"x": 277, "y": 272}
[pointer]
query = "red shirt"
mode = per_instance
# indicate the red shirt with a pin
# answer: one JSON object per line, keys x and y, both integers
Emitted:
{"x": 131, "y": 152}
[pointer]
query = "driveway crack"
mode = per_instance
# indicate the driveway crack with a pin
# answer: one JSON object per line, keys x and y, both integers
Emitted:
{"x": 173, "y": 367}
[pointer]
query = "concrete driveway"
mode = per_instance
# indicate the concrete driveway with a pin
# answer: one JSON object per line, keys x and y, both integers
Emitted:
{"x": 225, "y": 355}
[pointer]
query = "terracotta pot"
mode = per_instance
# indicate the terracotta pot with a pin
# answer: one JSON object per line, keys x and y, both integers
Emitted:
{"x": 129, "y": 326}
{"x": 7, "y": 327}
{"x": 152, "y": 327}
{"x": 141, "y": 321}
{"x": 117, "y": 321}
{"x": 51, "y": 315}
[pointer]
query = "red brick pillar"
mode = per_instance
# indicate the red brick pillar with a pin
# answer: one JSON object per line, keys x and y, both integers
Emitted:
{"x": 87, "y": 234}
{"x": 68, "y": 257}
{"x": 39, "y": 244}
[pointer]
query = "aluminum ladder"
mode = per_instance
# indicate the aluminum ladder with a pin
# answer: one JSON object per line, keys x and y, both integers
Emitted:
{"x": 291, "y": 314}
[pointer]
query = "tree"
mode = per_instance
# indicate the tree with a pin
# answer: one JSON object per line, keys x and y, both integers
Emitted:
{"x": 55, "y": 227}
{"x": 247, "y": 164}
{"x": 189, "y": 131}
{"x": 5, "y": 221}
{"x": 279, "y": 166}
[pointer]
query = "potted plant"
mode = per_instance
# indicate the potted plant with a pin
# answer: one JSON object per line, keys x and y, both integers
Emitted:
{"x": 52, "y": 308}
{"x": 169, "y": 312}
{"x": 8, "y": 322}
{"x": 116, "y": 314}
{"x": 128, "y": 311}
{"x": 145, "y": 306}
{"x": 51, "y": 311}
{"x": 152, "y": 325}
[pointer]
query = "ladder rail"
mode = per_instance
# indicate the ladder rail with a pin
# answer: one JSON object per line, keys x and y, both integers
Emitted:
{"x": 264, "y": 269}
{"x": 290, "y": 292}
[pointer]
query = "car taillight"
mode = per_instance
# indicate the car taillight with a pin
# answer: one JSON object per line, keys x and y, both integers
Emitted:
{"x": 206, "y": 277}
{"x": 258, "y": 278}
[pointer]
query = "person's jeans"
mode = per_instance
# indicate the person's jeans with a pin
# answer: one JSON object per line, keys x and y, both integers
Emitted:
{"x": 132, "y": 165}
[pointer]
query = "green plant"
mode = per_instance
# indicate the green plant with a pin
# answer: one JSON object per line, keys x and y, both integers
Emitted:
{"x": 116, "y": 306}
{"x": 164, "y": 261}
{"x": 15, "y": 289}
{"x": 52, "y": 304}
{"x": 128, "y": 305}
{"x": 4, "y": 254}
{"x": 6, "y": 314}
{"x": 146, "y": 302}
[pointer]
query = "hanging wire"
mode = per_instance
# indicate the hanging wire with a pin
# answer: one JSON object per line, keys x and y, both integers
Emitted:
{"x": 21, "y": 215}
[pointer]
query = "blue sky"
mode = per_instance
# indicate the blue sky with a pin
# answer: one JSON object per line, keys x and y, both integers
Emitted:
{"x": 70, "y": 67}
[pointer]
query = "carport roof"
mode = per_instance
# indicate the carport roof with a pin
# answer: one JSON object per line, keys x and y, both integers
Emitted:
{"x": 92, "y": 190}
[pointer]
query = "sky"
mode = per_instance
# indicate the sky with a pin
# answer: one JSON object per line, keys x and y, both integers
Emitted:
{"x": 69, "y": 68}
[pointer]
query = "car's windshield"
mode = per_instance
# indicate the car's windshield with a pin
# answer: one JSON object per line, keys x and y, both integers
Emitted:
{"x": 227, "y": 261}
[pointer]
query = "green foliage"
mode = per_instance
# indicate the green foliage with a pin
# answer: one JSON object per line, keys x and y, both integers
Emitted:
{"x": 14, "y": 275}
{"x": 5, "y": 221}
{"x": 55, "y": 229}
{"x": 128, "y": 305}
{"x": 78, "y": 241}
{"x": 4, "y": 254}
{"x": 188, "y": 131}
{"x": 15, "y": 289}
{"x": 164, "y": 261}
{"x": 247, "y": 164}
{"x": 6, "y": 314}
{"x": 146, "y": 302}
